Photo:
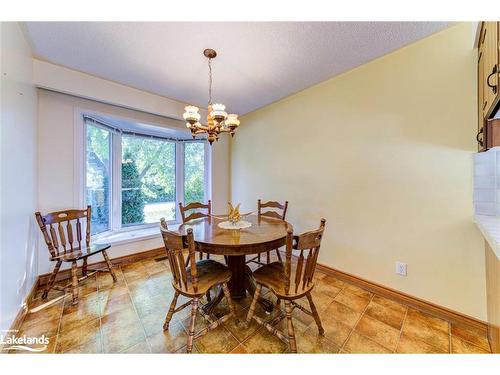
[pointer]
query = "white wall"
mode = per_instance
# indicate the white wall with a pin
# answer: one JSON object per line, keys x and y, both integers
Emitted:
{"x": 18, "y": 135}
{"x": 56, "y": 161}
{"x": 384, "y": 153}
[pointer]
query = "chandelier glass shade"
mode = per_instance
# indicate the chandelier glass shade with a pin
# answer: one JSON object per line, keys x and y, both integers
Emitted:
{"x": 218, "y": 120}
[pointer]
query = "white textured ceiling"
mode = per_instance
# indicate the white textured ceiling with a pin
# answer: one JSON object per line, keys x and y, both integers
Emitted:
{"x": 258, "y": 62}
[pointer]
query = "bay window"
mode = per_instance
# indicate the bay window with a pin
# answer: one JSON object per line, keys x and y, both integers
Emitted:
{"x": 133, "y": 179}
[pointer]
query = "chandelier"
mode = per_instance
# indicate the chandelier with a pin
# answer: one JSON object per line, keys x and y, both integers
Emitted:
{"x": 218, "y": 121}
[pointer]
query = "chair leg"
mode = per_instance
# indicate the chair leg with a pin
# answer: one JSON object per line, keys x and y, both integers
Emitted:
{"x": 268, "y": 257}
{"x": 74, "y": 282}
{"x": 188, "y": 261}
{"x": 227, "y": 294}
{"x": 52, "y": 279}
{"x": 168, "y": 318}
{"x": 84, "y": 267}
{"x": 110, "y": 265}
{"x": 279, "y": 255}
{"x": 207, "y": 294}
{"x": 256, "y": 296}
{"x": 291, "y": 332}
{"x": 258, "y": 257}
{"x": 315, "y": 314}
{"x": 194, "y": 309}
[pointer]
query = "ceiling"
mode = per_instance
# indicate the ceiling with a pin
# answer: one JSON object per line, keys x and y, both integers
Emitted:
{"x": 257, "y": 63}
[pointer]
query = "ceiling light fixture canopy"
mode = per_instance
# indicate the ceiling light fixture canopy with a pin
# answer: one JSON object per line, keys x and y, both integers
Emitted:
{"x": 218, "y": 120}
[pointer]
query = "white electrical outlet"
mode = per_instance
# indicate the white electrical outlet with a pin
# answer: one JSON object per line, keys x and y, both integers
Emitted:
{"x": 401, "y": 268}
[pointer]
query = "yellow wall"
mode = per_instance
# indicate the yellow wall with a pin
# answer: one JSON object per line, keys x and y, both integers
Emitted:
{"x": 384, "y": 153}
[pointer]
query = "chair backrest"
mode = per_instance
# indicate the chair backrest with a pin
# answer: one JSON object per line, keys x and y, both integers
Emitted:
{"x": 308, "y": 244}
{"x": 196, "y": 214}
{"x": 60, "y": 236}
{"x": 273, "y": 205}
{"x": 175, "y": 244}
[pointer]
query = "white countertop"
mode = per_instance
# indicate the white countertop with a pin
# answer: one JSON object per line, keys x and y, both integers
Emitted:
{"x": 490, "y": 228}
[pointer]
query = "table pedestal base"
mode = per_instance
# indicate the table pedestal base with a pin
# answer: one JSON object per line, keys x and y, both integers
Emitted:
{"x": 240, "y": 283}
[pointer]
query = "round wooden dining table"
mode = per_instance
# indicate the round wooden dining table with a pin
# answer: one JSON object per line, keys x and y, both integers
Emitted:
{"x": 265, "y": 234}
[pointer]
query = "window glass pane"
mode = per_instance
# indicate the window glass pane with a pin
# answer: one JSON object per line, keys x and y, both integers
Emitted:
{"x": 148, "y": 180}
{"x": 98, "y": 177}
{"x": 194, "y": 172}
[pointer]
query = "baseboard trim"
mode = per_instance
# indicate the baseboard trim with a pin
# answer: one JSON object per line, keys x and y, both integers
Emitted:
{"x": 119, "y": 261}
{"x": 21, "y": 314}
{"x": 414, "y": 302}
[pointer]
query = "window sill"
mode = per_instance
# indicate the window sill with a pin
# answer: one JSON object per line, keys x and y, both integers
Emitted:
{"x": 129, "y": 236}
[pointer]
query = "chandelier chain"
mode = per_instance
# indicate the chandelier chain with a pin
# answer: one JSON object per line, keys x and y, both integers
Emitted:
{"x": 209, "y": 81}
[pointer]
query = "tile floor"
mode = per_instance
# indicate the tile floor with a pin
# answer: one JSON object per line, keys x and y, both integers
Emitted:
{"x": 127, "y": 317}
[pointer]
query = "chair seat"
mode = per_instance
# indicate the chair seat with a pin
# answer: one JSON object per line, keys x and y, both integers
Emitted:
{"x": 210, "y": 273}
{"x": 273, "y": 277}
{"x": 80, "y": 253}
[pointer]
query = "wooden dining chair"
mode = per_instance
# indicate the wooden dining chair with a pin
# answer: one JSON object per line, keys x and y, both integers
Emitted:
{"x": 277, "y": 211}
{"x": 68, "y": 245}
{"x": 193, "y": 282}
{"x": 290, "y": 284}
{"x": 194, "y": 206}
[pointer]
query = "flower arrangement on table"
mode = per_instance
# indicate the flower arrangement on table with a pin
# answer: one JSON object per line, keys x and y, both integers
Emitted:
{"x": 234, "y": 218}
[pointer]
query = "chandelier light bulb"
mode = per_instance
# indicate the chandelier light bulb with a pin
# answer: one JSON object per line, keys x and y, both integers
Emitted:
{"x": 218, "y": 112}
{"x": 191, "y": 115}
{"x": 232, "y": 121}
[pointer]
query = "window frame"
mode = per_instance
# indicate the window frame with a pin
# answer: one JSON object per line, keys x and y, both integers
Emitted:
{"x": 80, "y": 167}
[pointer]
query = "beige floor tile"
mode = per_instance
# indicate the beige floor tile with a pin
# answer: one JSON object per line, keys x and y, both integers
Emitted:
{"x": 168, "y": 341}
{"x": 358, "y": 291}
{"x": 321, "y": 301}
{"x": 90, "y": 347}
{"x": 312, "y": 343}
{"x": 327, "y": 288}
{"x": 408, "y": 345}
{"x": 428, "y": 320}
{"x": 417, "y": 327}
{"x": 108, "y": 305}
{"x": 379, "y": 332}
{"x": 343, "y": 313}
{"x": 218, "y": 340}
{"x": 153, "y": 323}
{"x": 78, "y": 336}
{"x": 240, "y": 349}
{"x": 76, "y": 319}
{"x": 474, "y": 336}
{"x": 353, "y": 301}
{"x": 47, "y": 328}
{"x": 335, "y": 331}
{"x": 264, "y": 342}
{"x": 385, "y": 314}
{"x": 393, "y": 305}
{"x": 238, "y": 326}
{"x": 45, "y": 315}
{"x": 119, "y": 319}
{"x": 460, "y": 346}
{"x": 140, "y": 348}
{"x": 332, "y": 281}
{"x": 362, "y": 345}
{"x": 121, "y": 337}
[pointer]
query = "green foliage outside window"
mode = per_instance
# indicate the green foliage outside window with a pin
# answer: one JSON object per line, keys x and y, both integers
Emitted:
{"x": 133, "y": 199}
